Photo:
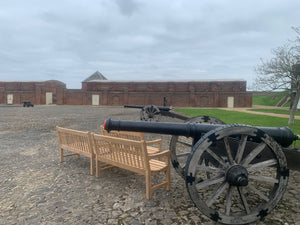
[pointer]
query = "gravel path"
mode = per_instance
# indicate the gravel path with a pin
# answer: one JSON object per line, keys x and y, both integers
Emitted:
{"x": 35, "y": 188}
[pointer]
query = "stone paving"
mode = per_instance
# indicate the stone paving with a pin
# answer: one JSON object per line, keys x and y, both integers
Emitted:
{"x": 35, "y": 188}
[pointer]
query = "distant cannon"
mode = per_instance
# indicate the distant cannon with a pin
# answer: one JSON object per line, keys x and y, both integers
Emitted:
{"x": 150, "y": 112}
{"x": 154, "y": 113}
{"x": 27, "y": 104}
{"x": 235, "y": 174}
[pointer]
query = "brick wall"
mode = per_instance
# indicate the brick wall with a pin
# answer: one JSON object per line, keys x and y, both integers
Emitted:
{"x": 179, "y": 94}
{"x": 34, "y": 92}
{"x": 118, "y": 93}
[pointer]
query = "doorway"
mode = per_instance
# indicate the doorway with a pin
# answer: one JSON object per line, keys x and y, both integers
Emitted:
{"x": 10, "y": 99}
{"x": 230, "y": 102}
{"x": 95, "y": 99}
{"x": 49, "y": 98}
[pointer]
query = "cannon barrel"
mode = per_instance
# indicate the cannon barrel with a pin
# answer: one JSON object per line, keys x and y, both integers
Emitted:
{"x": 161, "y": 108}
{"x": 283, "y": 135}
{"x": 134, "y": 106}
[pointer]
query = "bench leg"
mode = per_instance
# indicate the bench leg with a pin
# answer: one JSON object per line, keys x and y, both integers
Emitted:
{"x": 61, "y": 155}
{"x": 148, "y": 186}
{"x": 168, "y": 179}
{"x": 92, "y": 165}
{"x": 97, "y": 169}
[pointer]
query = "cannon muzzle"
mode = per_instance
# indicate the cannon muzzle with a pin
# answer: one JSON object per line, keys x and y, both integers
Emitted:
{"x": 283, "y": 135}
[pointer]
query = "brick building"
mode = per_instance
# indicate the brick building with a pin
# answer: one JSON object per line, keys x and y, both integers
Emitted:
{"x": 38, "y": 92}
{"x": 97, "y": 90}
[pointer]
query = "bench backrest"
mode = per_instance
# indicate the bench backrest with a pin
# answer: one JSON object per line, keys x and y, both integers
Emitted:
{"x": 123, "y": 153}
{"x": 74, "y": 140}
{"x": 137, "y": 136}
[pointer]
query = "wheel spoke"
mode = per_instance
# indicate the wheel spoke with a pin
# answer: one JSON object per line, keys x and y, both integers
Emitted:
{"x": 219, "y": 159}
{"x": 217, "y": 193}
{"x": 229, "y": 200}
{"x": 263, "y": 178}
{"x": 228, "y": 150}
{"x": 209, "y": 182}
{"x": 209, "y": 169}
{"x": 186, "y": 144}
{"x": 259, "y": 193}
{"x": 241, "y": 148}
{"x": 244, "y": 200}
{"x": 261, "y": 165}
{"x": 206, "y": 163}
{"x": 183, "y": 154}
{"x": 253, "y": 154}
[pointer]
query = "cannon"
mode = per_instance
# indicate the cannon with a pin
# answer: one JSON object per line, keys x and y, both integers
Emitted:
{"x": 150, "y": 112}
{"x": 27, "y": 104}
{"x": 234, "y": 174}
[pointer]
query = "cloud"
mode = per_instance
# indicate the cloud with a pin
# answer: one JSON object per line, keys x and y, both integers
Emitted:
{"x": 127, "y": 7}
{"x": 138, "y": 39}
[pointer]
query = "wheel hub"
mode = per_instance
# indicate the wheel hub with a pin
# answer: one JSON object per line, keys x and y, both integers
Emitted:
{"x": 150, "y": 115}
{"x": 237, "y": 176}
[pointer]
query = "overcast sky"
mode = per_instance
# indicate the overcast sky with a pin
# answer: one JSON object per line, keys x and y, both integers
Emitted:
{"x": 68, "y": 40}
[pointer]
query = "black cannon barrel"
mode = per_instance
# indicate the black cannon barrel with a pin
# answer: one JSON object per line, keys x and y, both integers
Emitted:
{"x": 161, "y": 108}
{"x": 134, "y": 106}
{"x": 283, "y": 135}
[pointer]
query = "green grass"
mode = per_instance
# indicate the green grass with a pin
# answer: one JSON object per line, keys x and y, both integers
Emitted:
{"x": 230, "y": 117}
{"x": 268, "y": 100}
{"x": 233, "y": 117}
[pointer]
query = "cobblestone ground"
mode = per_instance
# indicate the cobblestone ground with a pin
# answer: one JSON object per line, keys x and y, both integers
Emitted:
{"x": 35, "y": 188}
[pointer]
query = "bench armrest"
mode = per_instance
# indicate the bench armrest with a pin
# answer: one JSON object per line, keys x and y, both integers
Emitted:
{"x": 153, "y": 142}
{"x": 160, "y": 155}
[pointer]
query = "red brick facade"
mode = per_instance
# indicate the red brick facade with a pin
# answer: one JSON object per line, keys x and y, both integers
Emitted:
{"x": 179, "y": 94}
{"x": 32, "y": 91}
{"x": 205, "y": 93}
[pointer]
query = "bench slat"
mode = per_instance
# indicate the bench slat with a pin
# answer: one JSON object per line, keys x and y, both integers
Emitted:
{"x": 135, "y": 136}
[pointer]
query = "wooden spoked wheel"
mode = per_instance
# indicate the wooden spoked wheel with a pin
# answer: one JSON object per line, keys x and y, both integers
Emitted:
{"x": 236, "y": 174}
{"x": 181, "y": 146}
{"x": 150, "y": 113}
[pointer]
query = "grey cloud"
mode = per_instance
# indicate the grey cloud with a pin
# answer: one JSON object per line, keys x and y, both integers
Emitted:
{"x": 127, "y": 7}
{"x": 139, "y": 39}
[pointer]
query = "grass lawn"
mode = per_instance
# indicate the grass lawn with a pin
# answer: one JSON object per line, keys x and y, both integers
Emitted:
{"x": 230, "y": 117}
{"x": 268, "y": 100}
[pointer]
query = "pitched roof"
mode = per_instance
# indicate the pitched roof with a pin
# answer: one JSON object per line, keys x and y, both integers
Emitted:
{"x": 95, "y": 77}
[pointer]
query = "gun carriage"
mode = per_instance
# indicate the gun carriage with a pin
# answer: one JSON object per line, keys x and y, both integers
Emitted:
{"x": 154, "y": 113}
{"x": 235, "y": 174}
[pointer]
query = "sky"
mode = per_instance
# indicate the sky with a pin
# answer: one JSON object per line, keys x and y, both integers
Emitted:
{"x": 69, "y": 40}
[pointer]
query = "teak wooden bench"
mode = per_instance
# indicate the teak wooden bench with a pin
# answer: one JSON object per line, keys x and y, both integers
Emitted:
{"x": 133, "y": 156}
{"x": 153, "y": 146}
{"x": 78, "y": 142}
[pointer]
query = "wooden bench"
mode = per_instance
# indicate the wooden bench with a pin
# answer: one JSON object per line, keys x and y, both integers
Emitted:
{"x": 133, "y": 156}
{"x": 153, "y": 146}
{"x": 78, "y": 142}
